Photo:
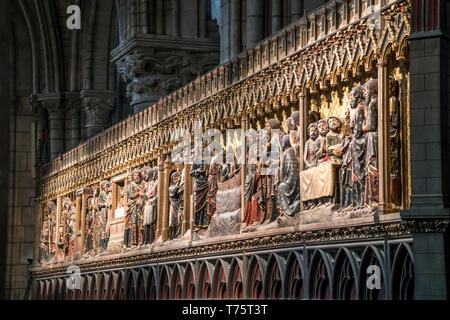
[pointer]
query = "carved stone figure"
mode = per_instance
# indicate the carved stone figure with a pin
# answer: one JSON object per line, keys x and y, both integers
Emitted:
{"x": 395, "y": 147}
{"x": 321, "y": 142}
{"x": 51, "y": 213}
{"x": 333, "y": 140}
{"x": 272, "y": 168}
{"x": 358, "y": 146}
{"x": 135, "y": 197}
{"x": 346, "y": 182}
{"x": 215, "y": 170}
{"x": 69, "y": 228}
{"x": 44, "y": 244}
{"x": 255, "y": 197}
{"x": 288, "y": 201}
{"x": 151, "y": 200}
{"x": 103, "y": 209}
{"x": 89, "y": 226}
{"x": 176, "y": 209}
{"x": 198, "y": 171}
{"x": 371, "y": 133}
{"x": 310, "y": 157}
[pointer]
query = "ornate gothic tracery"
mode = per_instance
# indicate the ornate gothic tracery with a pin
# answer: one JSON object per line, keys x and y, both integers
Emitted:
{"x": 339, "y": 98}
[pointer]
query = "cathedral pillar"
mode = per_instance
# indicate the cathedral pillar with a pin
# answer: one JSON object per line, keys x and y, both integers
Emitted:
{"x": 97, "y": 106}
{"x": 235, "y": 28}
{"x": 296, "y": 10}
{"x": 255, "y": 22}
{"x": 73, "y": 109}
{"x": 277, "y": 15}
{"x": 56, "y": 127}
{"x": 428, "y": 215}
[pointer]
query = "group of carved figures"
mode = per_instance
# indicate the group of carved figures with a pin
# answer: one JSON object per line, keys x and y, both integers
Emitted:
{"x": 206, "y": 178}
{"x": 97, "y": 219}
{"x": 141, "y": 206}
{"x": 58, "y": 241}
{"x": 273, "y": 185}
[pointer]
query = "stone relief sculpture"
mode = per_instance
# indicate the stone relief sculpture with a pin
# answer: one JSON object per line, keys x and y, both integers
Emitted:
{"x": 89, "y": 226}
{"x": 135, "y": 195}
{"x": 151, "y": 202}
{"x": 214, "y": 174}
{"x": 288, "y": 201}
{"x": 371, "y": 134}
{"x": 176, "y": 207}
{"x": 47, "y": 248}
{"x": 357, "y": 147}
{"x": 310, "y": 157}
{"x": 255, "y": 197}
{"x": 104, "y": 203}
{"x": 273, "y": 151}
{"x": 395, "y": 144}
{"x": 227, "y": 217}
{"x": 69, "y": 218}
{"x": 200, "y": 190}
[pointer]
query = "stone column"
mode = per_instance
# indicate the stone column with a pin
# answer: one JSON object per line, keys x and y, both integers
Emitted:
{"x": 73, "y": 136}
{"x": 175, "y": 18}
{"x": 225, "y": 29}
{"x": 235, "y": 28}
{"x": 56, "y": 128}
{"x": 202, "y": 19}
{"x": 296, "y": 10}
{"x": 97, "y": 107}
{"x": 159, "y": 28}
{"x": 255, "y": 22}
{"x": 429, "y": 158}
{"x": 277, "y": 16}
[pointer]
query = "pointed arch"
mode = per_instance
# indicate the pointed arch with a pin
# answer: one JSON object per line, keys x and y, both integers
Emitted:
{"x": 235, "y": 279}
{"x": 176, "y": 282}
{"x": 255, "y": 277}
{"x": 402, "y": 280}
{"x": 220, "y": 279}
{"x": 372, "y": 256}
{"x": 345, "y": 275}
{"x": 274, "y": 278}
{"x": 320, "y": 274}
{"x": 296, "y": 276}
{"x": 189, "y": 280}
{"x": 152, "y": 292}
{"x": 205, "y": 280}
{"x": 164, "y": 283}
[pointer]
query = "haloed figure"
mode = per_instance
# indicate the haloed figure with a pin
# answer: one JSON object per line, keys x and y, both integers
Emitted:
{"x": 289, "y": 190}
{"x": 89, "y": 226}
{"x": 176, "y": 210}
{"x": 198, "y": 171}
{"x": 151, "y": 199}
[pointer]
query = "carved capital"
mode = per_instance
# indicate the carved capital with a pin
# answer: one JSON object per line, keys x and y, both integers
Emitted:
{"x": 97, "y": 110}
